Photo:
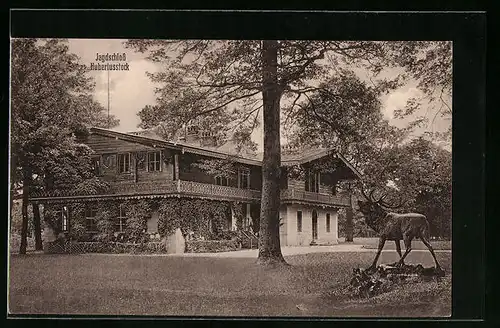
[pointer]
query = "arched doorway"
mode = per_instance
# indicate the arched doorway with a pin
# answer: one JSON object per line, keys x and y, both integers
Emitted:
{"x": 314, "y": 225}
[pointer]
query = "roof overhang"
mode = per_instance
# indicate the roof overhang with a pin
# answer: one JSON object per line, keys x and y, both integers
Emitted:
{"x": 212, "y": 153}
{"x": 172, "y": 145}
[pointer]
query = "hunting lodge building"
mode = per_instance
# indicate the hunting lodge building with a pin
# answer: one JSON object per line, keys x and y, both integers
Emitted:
{"x": 141, "y": 165}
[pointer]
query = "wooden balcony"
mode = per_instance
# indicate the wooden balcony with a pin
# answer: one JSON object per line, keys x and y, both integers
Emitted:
{"x": 299, "y": 196}
{"x": 182, "y": 188}
{"x": 215, "y": 191}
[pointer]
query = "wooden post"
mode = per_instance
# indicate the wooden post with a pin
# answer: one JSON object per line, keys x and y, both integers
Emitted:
{"x": 349, "y": 219}
{"x": 176, "y": 166}
{"x": 136, "y": 170}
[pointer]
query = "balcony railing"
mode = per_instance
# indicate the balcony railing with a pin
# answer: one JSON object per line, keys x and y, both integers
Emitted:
{"x": 183, "y": 187}
{"x": 206, "y": 189}
{"x": 299, "y": 195}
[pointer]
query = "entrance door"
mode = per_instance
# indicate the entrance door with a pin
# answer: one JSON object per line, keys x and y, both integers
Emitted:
{"x": 314, "y": 225}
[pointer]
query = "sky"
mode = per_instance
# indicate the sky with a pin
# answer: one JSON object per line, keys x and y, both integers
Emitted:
{"x": 130, "y": 91}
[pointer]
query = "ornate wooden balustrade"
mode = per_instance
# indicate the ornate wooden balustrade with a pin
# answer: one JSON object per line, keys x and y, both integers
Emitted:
{"x": 291, "y": 195}
{"x": 212, "y": 190}
{"x": 203, "y": 190}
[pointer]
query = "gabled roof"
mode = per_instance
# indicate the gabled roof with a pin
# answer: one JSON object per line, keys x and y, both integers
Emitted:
{"x": 287, "y": 158}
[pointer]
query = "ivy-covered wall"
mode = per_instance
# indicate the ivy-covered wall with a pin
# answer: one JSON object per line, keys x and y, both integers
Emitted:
{"x": 197, "y": 218}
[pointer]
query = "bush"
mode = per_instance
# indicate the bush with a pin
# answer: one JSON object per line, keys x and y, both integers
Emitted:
{"x": 78, "y": 231}
{"x": 226, "y": 235}
{"x": 107, "y": 247}
{"x": 211, "y": 246}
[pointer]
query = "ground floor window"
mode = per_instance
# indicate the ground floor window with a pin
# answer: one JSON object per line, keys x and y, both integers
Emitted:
{"x": 327, "y": 222}
{"x": 299, "y": 221}
{"x": 62, "y": 218}
{"x": 90, "y": 220}
{"x": 65, "y": 218}
{"x": 122, "y": 218}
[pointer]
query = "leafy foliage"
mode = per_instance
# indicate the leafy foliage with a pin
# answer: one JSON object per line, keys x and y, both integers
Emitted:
{"x": 218, "y": 167}
{"x": 211, "y": 246}
{"x": 52, "y": 105}
{"x": 417, "y": 171}
{"x": 105, "y": 225}
{"x": 138, "y": 212}
{"x": 203, "y": 218}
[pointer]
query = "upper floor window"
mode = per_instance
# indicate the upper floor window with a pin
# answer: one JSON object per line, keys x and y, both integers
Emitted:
{"x": 312, "y": 182}
{"x": 124, "y": 163}
{"x": 154, "y": 161}
{"x": 221, "y": 181}
{"x": 244, "y": 178}
{"x": 96, "y": 165}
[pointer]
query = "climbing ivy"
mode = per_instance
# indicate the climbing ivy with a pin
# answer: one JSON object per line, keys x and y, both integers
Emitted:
{"x": 77, "y": 221}
{"x": 105, "y": 225}
{"x": 199, "y": 218}
{"x": 238, "y": 214}
{"x": 138, "y": 212}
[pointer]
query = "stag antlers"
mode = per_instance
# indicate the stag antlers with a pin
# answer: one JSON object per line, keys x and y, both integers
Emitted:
{"x": 381, "y": 201}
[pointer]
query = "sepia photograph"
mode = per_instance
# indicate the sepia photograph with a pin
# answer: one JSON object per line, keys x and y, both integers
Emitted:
{"x": 230, "y": 178}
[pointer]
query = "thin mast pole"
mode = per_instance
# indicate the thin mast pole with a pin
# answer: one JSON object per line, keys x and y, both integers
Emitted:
{"x": 109, "y": 123}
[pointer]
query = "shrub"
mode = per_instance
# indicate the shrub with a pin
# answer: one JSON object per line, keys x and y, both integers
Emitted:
{"x": 107, "y": 247}
{"x": 226, "y": 235}
{"x": 78, "y": 231}
{"x": 211, "y": 246}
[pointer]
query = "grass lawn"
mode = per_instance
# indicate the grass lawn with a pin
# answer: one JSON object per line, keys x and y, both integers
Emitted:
{"x": 170, "y": 285}
{"x": 372, "y": 243}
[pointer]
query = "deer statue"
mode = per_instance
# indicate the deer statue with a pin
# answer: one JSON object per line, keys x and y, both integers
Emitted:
{"x": 394, "y": 226}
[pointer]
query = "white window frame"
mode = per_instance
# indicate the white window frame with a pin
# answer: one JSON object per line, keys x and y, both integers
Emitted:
{"x": 156, "y": 161}
{"x": 65, "y": 218}
{"x": 121, "y": 163}
{"x": 122, "y": 219}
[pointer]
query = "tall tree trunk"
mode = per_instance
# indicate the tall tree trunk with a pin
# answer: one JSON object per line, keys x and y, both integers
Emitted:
{"x": 37, "y": 227}
{"x": 24, "y": 209}
{"x": 349, "y": 229}
{"x": 269, "y": 238}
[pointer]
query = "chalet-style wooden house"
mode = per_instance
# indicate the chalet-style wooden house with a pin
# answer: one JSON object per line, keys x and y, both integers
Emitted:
{"x": 138, "y": 165}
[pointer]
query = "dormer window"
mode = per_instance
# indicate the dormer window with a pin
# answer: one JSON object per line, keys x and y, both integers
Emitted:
{"x": 192, "y": 129}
